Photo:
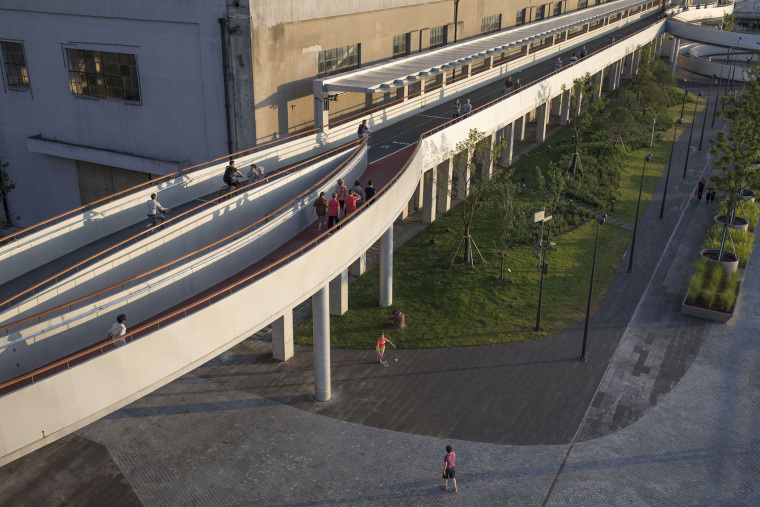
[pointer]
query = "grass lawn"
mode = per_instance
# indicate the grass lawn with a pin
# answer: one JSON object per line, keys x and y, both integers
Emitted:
{"x": 453, "y": 305}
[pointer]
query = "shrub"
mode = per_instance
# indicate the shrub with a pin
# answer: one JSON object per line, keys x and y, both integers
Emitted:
{"x": 728, "y": 299}
{"x": 695, "y": 286}
{"x": 747, "y": 210}
{"x": 732, "y": 281}
{"x": 701, "y": 267}
{"x": 715, "y": 277}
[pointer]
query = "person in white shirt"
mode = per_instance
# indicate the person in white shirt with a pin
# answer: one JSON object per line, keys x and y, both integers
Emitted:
{"x": 253, "y": 175}
{"x": 155, "y": 210}
{"x": 118, "y": 329}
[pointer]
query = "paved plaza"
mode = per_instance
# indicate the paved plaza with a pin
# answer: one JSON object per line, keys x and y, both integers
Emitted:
{"x": 663, "y": 413}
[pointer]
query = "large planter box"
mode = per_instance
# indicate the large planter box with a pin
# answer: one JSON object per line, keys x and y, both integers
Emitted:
{"x": 704, "y": 313}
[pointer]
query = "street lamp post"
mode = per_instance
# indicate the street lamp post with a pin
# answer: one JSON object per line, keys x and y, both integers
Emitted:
{"x": 707, "y": 108}
{"x": 602, "y": 219}
{"x": 685, "y": 93}
{"x": 728, "y": 61}
{"x": 691, "y": 134}
{"x": 670, "y": 163}
{"x": 717, "y": 96}
{"x": 542, "y": 264}
{"x": 638, "y": 205}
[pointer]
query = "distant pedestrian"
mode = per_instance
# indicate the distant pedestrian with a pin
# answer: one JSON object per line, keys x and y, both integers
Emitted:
{"x": 381, "y": 346}
{"x": 118, "y": 329}
{"x": 253, "y": 175}
{"x": 583, "y": 52}
{"x": 333, "y": 208}
{"x": 369, "y": 191}
{"x": 573, "y": 58}
{"x": 342, "y": 191}
{"x": 612, "y": 40}
{"x": 710, "y": 192}
{"x": 262, "y": 177}
{"x": 508, "y": 84}
{"x": 320, "y": 207}
{"x": 700, "y": 189}
{"x": 466, "y": 108}
{"x": 359, "y": 191}
{"x": 517, "y": 85}
{"x": 558, "y": 63}
{"x": 351, "y": 200}
{"x": 456, "y": 109}
{"x": 449, "y": 469}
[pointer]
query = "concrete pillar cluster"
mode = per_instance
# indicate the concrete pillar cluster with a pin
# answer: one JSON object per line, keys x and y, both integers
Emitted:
{"x": 444, "y": 178}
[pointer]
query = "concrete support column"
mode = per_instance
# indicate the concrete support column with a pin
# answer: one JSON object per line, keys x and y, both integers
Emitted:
{"x": 321, "y": 117}
{"x": 417, "y": 201}
{"x": 508, "y": 150}
{"x": 579, "y": 104}
{"x": 488, "y": 162}
{"x": 543, "y": 120}
{"x": 445, "y": 175}
{"x": 596, "y": 79}
{"x": 462, "y": 169}
{"x": 402, "y": 93}
{"x": 359, "y": 266}
{"x": 564, "y": 115}
{"x": 339, "y": 294}
{"x": 612, "y": 77}
{"x": 632, "y": 65}
{"x": 520, "y": 126}
{"x": 429, "y": 207}
{"x": 674, "y": 54}
{"x": 556, "y": 105}
{"x": 282, "y": 336}
{"x": 321, "y": 329}
{"x": 618, "y": 72}
{"x": 386, "y": 268}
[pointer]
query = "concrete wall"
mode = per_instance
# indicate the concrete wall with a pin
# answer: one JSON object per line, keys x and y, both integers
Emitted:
{"x": 180, "y": 119}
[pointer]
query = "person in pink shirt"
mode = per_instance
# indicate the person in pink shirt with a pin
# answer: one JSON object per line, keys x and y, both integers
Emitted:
{"x": 449, "y": 468}
{"x": 332, "y": 211}
{"x": 341, "y": 193}
{"x": 380, "y": 348}
{"x": 351, "y": 200}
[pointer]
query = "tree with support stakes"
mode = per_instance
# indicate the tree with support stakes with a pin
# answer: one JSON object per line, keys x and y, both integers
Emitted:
{"x": 735, "y": 152}
{"x": 470, "y": 187}
{"x": 584, "y": 110}
{"x": 512, "y": 223}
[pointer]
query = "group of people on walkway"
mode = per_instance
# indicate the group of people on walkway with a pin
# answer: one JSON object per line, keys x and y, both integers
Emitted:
{"x": 232, "y": 176}
{"x": 559, "y": 63}
{"x": 711, "y": 189}
{"x": 461, "y": 110}
{"x": 344, "y": 202}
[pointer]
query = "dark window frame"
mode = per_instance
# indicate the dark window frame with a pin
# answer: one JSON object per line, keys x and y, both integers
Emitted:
{"x": 520, "y": 18}
{"x": 557, "y": 9}
{"x": 104, "y": 75}
{"x": 338, "y": 60}
{"x": 397, "y": 52}
{"x": 15, "y": 65}
{"x": 540, "y": 12}
{"x": 490, "y": 24}
{"x": 439, "y": 34}
{"x": 582, "y": 4}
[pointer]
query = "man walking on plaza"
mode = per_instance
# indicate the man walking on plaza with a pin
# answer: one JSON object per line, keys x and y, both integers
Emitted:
{"x": 449, "y": 469}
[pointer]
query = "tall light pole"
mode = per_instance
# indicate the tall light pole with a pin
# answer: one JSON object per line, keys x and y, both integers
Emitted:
{"x": 728, "y": 61}
{"x": 685, "y": 93}
{"x": 602, "y": 219}
{"x": 670, "y": 163}
{"x": 542, "y": 264}
{"x": 638, "y": 205}
{"x": 717, "y": 96}
{"x": 691, "y": 134}
{"x": 707, "y": 108}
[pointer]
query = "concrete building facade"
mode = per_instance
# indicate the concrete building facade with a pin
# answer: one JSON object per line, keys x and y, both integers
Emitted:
{"x": 100, "y": 96}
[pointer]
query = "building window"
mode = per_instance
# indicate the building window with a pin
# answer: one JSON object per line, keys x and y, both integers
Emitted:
{"x": 540, "y": 12}
{"x": 337, "y": 60}
{"x": 490, "y": 24}
{"x": 557, "y": 9}
{"x": 400, "y": 45}
{"x": 582, "y": 4}
{"x": 437, "y": 36}
{"x": 105, "y": 75}
{"x": 520, "y": 17}
{"x": 16, "y": 73}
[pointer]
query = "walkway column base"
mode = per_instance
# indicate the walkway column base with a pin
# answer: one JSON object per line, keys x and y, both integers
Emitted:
{"x": 445, "y": 176}
{"x": 543, "y": 120}
{"x": 430, "y": 178}
{"x": 282, "y": 336}
{"x": 359, "y": 266}
{"x": 321, "y": 328}
{"x": 386, "y": 268}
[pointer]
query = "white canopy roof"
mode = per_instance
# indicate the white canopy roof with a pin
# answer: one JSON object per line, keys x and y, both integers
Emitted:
{"x": 397, "y": 73}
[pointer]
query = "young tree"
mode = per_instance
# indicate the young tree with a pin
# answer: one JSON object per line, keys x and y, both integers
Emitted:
{"x": 619, "y": 125}
{"x": 735, "y": 153}
{"x": 511, "y": 222}
{"x": 583, "y": 112}
{"x": 470, "y": 187}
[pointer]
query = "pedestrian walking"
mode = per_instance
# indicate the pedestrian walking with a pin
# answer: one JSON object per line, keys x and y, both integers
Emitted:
{"x": 449, "y": 469}
{"x": 456, "y": 110}
{"x": 558, "y": 63}
{"x": 320, "y": 208}
{"x": 333, "y": 211}
{"x": 710, "y": 193}
{"x": 342, "y": 191}
{"x": 381, "y": 346}
{"x": 583, "y": 52}
{"x": 508, "y": 84}
{"x": 369, "y": 191}
{"x": 253, "y": 175}
{"x": 359, "y": 191}
{"x": 466, "y": 108}
{"x": 517, "y": 85}
{"x": 573, "y": 58}
{"x": 351, "y": 200}
{"x": 118, "y": 329}
{"x": 700, "y": 189}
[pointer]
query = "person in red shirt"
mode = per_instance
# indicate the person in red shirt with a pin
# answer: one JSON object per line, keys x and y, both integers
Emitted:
{"x": 332, "y": 214}
{"x": 381, "y": 346}
{"x": 351, "y": 200}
